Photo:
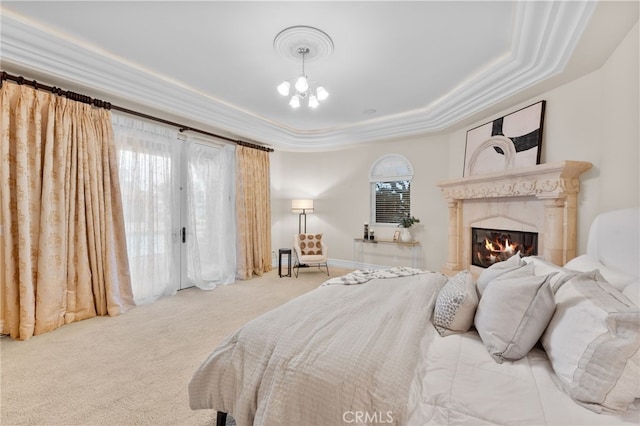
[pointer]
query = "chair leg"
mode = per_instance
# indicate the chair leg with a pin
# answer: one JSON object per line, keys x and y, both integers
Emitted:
{"x": 296, "y": 265}
{"x": 326, "y": 267}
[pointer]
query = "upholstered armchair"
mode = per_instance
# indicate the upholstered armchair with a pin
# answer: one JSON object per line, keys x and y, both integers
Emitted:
{"x": 309, "y": 250}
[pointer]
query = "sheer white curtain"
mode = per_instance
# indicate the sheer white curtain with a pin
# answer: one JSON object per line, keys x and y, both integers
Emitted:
{"x": 148, "y": 161}
{"x": 211, "y": 239}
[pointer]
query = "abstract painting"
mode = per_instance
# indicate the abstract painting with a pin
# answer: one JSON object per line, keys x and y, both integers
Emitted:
{"x": 509, "y": 142}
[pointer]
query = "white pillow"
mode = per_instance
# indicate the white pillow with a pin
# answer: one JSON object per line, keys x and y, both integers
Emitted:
{"x": 544, "y": 267}
{"x": 632, "y": 291}
{"x": 513, "y": 313}
{"x": 593, "y": 343}
{"x": 497, "y": 269}
{"x": 587, "y": 263}
{"x": 456, "y": 305}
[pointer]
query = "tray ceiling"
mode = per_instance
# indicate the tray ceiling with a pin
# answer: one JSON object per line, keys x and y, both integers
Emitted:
{"x": 397, "y": 69}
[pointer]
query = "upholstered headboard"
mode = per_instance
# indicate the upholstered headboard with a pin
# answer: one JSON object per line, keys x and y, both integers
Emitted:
{"x": 613, "y": 248}
{"x": 614, "y": 240}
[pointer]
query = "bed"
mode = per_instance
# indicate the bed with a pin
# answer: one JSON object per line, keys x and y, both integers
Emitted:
{"x": 527, "y": 342}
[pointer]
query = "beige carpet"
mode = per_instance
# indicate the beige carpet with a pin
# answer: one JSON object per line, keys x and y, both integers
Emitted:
{"x": 133, "y": 369}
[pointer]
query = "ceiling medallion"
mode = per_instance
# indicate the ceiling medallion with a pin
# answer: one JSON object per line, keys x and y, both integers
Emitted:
{"x": 289, "y": 41}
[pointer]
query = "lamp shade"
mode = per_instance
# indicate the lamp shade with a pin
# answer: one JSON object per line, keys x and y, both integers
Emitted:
{"x": 283, "y": 88}
{"x": 295, "y": 101}
{"x": 301, "y": 84}
{"x": 322, "y": 93}
{"x": 299, "y": 206}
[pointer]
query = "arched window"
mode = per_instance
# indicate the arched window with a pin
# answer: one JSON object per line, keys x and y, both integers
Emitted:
{"x": 390, "y": 178}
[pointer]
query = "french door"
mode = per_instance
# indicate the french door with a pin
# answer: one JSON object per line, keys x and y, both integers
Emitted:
{"x": 207, "y": 241}
{"x": 178, "y": 201}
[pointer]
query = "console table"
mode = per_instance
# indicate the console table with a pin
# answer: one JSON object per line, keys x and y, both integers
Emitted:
{"x": 360, "y": 245}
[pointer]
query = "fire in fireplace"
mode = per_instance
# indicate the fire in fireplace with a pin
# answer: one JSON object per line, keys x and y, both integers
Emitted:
{"x": 489, "y": 246}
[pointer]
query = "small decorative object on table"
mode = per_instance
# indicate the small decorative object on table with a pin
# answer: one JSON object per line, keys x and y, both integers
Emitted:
{"x": 366, "y": 231}
{"x": 405, "y": 223}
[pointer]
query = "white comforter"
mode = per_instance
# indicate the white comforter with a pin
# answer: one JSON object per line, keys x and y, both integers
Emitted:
{"x": 458, "y": 383}
{"x": 368, "y": 354}
{"x": 332, "y": 356}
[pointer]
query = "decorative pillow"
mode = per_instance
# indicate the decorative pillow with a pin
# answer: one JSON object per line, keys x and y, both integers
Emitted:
{"x": 614, "y": 277}
{"x": 456, "y": 305}
{"x": 513, "y": 313}
{"x": 310, "y": 244}
{"x": 593, "y": 344}
{"x": 526, "y": 270}
{"x": 632, "y": 291}
{"x": 497, "y": 269}
{"x": 543, "y": 267}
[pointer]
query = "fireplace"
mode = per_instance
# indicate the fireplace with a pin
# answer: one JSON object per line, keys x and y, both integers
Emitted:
{"x": 489, "y": 246}
{"x": 542, "y": 199}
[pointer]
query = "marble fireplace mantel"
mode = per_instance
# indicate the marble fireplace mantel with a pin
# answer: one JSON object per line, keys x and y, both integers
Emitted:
{"x": 544, "y": 195}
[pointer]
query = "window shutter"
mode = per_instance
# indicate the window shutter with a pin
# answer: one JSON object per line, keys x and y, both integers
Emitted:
{"x": 393, "y": 200}
{"x": 390, "y": 179}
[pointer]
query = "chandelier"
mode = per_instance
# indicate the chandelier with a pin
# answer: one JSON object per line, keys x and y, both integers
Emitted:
{"x": 303, "y": 88}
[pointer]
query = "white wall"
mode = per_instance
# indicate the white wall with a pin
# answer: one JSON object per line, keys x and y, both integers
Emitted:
{"x": 339, "y": 184}
{"x": 620, "y": 138}
{"x": 594, "y": 118}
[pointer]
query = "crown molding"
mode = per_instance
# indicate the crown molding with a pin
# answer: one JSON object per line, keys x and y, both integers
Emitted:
{"x": 26, "y": 45}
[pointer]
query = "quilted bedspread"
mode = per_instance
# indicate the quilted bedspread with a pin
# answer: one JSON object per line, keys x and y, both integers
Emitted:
{"x": 332, "y": 356}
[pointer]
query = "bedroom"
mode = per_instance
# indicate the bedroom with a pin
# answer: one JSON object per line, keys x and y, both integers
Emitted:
{"x": 592, "y": 118}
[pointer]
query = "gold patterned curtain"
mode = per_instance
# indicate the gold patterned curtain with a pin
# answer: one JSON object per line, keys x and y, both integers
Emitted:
{"x": 253, "y": 209}
{"x": 65, "y": 254}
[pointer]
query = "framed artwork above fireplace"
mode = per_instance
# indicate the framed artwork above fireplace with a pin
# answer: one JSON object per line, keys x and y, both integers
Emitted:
{"x": 508, "y": 142}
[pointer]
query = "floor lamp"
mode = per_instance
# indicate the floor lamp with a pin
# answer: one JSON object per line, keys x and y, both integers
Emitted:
{"x": 302, "y": 207}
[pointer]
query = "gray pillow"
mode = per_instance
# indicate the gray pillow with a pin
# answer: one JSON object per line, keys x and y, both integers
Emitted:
{"x": 543, "y": 267}
{"x": 456, "y": 305}
{"x": 593, "y": 344}
{"x": 512, "y": 315}
{"x": 497, "y": 269}
{"x": 524, "y": 271}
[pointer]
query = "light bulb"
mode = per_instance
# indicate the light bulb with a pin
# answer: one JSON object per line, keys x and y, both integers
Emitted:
{"x": 322, "y": 93}
{"x": 313, "y": 101}
{"x": 294, "y": 102}
{"x": 283, "y": 88}
{"x": 301, "y": 84}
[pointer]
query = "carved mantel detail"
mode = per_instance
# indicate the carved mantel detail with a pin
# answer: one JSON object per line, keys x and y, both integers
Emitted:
{"x": 556, "y": 184}
{"x": 551, "y": 180}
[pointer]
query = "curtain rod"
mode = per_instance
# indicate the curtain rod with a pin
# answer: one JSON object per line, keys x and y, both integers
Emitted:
{"x": 109, "y": 106}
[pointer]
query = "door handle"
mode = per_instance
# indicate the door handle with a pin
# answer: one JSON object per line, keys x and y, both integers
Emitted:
{"x": 184, "y": 234}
